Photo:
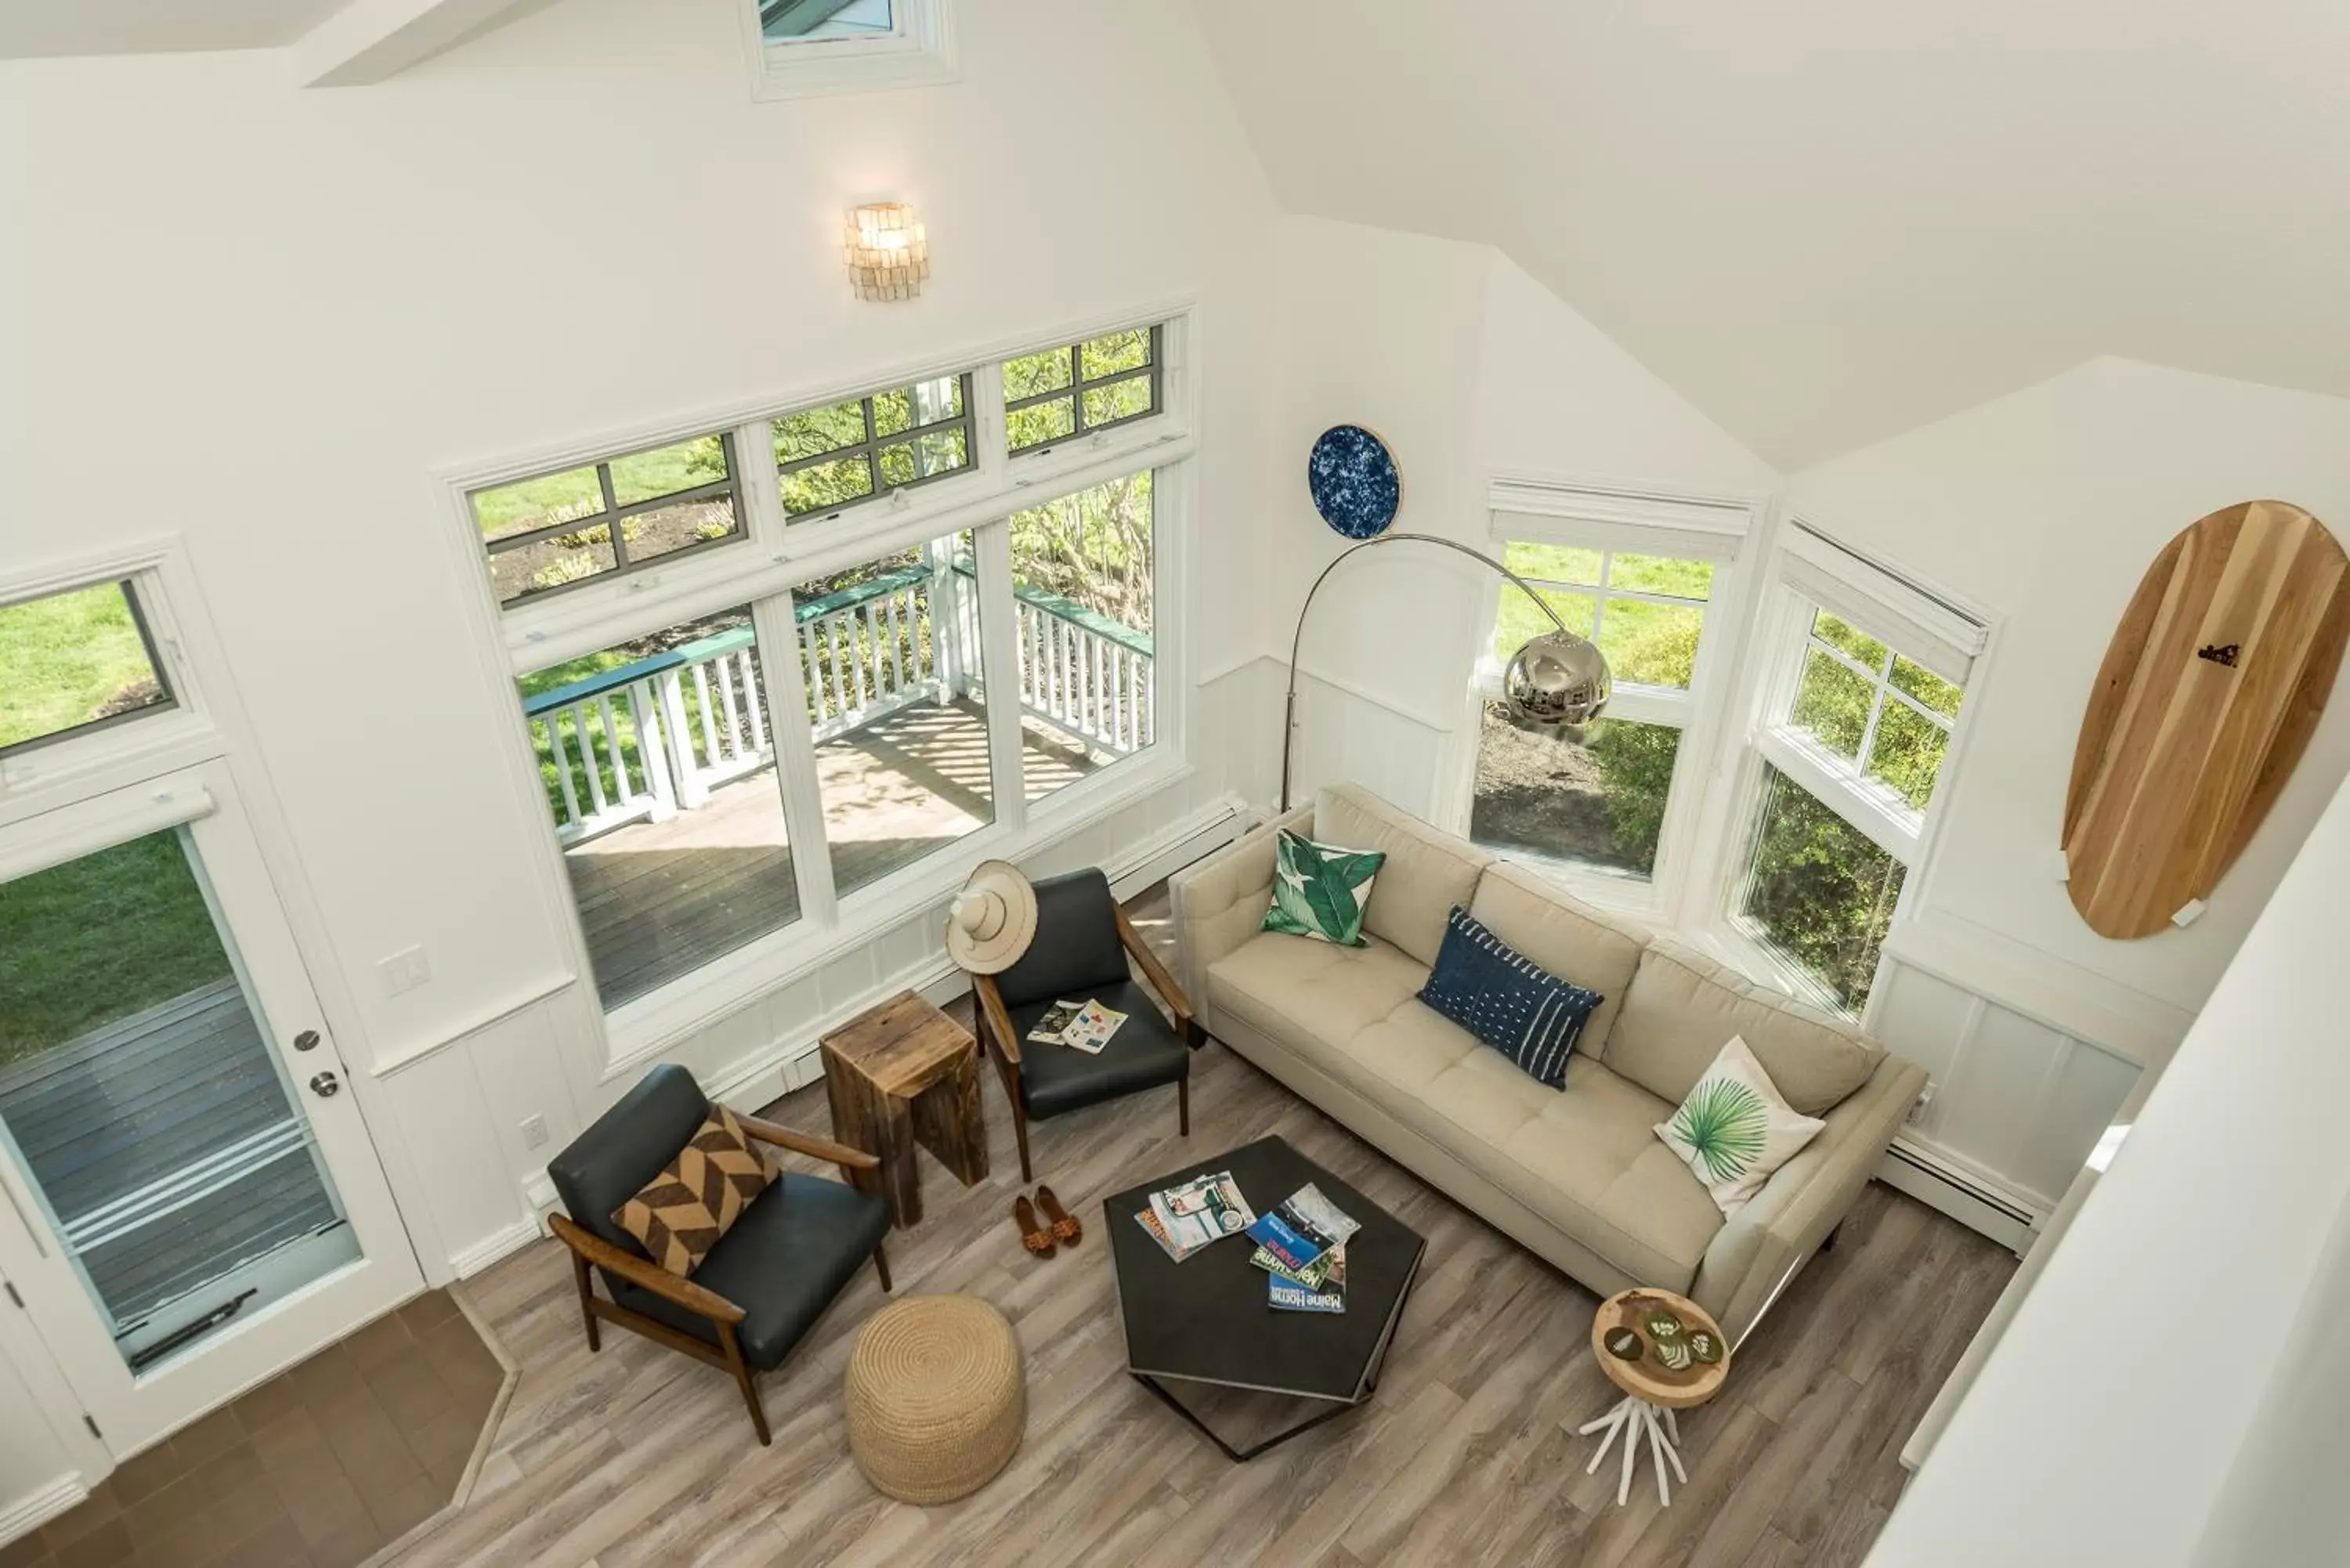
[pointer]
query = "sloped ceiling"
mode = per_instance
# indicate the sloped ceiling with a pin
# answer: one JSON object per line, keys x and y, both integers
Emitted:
{"x": 1829, "y": 221}
{"x": 37, "y": 27}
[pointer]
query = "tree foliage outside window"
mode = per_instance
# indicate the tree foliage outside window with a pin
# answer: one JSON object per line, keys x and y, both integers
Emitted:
{"x": 1092, "y": 548}
{"x": 1820, "y": 892}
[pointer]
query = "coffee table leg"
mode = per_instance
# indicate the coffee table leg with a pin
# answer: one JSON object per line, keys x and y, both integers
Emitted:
{"x": 1241, "y": 1455}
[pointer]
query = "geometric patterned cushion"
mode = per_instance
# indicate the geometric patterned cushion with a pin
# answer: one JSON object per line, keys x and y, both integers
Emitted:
{"x": 680, "y": 1214}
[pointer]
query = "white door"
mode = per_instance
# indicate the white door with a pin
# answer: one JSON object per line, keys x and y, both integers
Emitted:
{"x": 192, "y": 1202}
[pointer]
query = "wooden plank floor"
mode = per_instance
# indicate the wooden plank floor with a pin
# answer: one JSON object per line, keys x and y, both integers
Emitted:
{"x": 661, "y": 899}
{"x": 1467, "y": 1455}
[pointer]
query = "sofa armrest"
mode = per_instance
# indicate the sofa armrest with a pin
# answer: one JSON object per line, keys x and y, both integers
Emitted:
{"x": 1220, "y": 902}
{"x": 1765, "y": 1243}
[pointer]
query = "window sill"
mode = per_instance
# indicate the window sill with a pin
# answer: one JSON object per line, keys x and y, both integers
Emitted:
{"x": 654, "y": 1025}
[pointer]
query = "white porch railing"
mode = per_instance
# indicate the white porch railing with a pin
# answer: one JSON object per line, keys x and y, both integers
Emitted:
{"x": 654, "y": 737}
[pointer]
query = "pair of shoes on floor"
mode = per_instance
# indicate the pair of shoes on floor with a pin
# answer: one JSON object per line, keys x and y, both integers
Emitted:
{"x": 1060, "y": 1228}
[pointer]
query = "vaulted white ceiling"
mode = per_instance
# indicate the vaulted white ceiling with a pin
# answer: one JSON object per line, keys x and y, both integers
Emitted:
{"x": 1828, "y": 221}
{"x": 33, "y": 27}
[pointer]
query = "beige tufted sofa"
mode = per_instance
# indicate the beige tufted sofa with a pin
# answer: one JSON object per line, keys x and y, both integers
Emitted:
{"x": 1577, "y": 1177}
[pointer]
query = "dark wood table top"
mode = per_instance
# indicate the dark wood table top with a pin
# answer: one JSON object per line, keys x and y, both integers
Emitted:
{"x": 1206, "y": 1319}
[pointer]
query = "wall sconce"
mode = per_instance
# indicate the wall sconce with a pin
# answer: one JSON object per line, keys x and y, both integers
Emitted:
{"x": 889, "y": 255}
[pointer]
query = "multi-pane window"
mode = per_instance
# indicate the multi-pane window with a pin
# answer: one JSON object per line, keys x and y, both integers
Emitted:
{"x": 1081, "y": 389}
{"x": 811, "y": 20}
{"x": 71, "y": 661}
{"x": 601, "y": 518}
{"x": 872, "y": 696}
{"x": 831, "y": 458}
{"x": 1594, "y": 797}
{"x": 1853, "y": 741}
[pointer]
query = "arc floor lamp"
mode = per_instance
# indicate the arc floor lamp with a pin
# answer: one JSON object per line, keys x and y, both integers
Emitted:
{"x": 1557, "y": 679}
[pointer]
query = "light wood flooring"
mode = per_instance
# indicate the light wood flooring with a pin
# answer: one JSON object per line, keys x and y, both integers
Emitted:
{"x": 1468, "y": 1454}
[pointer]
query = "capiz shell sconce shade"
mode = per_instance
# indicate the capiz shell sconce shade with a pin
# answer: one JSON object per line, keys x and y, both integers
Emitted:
{"x": 887, "y": 249}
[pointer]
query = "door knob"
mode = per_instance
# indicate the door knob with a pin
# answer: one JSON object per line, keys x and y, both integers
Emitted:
{"x": 307, "y": 1041}
{"x": 325, "y": 1086}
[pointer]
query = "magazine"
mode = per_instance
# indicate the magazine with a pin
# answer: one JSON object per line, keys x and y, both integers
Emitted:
{"x": 1297, "y": 1232}
{"x": 1092, "y": 1028}
{"x": 1053, "y": 1028}
{"x": 1203, "y": 1210}
{"x": 1149, "y": 1222}
{"x": 1329, "y": 1296}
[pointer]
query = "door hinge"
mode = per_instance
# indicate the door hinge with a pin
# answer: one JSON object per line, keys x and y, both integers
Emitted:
{"x": 11, "y": 1292}
{"x": 91, "y": 1422}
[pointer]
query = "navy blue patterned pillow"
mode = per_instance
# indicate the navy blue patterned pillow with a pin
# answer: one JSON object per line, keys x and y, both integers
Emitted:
{"x": 1506, "y": 1000}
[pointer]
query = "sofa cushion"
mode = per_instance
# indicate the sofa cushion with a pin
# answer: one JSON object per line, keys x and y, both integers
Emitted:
{"x": 1588, "y": 1160}
{"x": 1735, "y": 1128}
{"x": 1507, "y": 1000}
{"x": 1288, "y": 988}
{"x": 1681, "y": 1010}
{"x": 1319, "y": 889}
{"x": 1566, "y": 937}
{"x": 1425, "y": 873}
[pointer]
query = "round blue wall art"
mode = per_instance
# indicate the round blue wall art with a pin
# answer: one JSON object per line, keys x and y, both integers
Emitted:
{"x": 1355, "y": 483}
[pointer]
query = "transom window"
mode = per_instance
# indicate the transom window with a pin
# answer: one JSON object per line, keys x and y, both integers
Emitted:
{"x": 1080, "y": 389}
{"x": 73, "y": 661}
{"x": 601, "y": 519}
{"x": 795, "y": 21}
{"x": 831, "y": 458}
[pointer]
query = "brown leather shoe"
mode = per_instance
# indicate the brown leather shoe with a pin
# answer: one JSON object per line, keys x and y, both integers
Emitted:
{"x": 1033, "y": 1236}
{"x": 1066, "y": 1229}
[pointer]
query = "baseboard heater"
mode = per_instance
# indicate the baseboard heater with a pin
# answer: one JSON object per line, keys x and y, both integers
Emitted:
{"x": 1963, "y": 1195}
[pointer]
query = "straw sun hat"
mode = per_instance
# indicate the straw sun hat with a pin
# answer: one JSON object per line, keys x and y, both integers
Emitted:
{"x": 992, "y": 919}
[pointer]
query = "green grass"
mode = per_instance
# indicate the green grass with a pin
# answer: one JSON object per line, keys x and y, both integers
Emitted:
{"x": 64, "y": 658}
{"x": 577, "y": 492}
{"x": 100, "y": 938}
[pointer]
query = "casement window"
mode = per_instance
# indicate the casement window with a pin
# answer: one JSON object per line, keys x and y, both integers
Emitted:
{"x": 1081, "y": 389}
{"x": 1643, "y": 577}
{"x": 809, "y": 47}
{"x": 1868, "y": 675}
{"x": 849, "y": 684}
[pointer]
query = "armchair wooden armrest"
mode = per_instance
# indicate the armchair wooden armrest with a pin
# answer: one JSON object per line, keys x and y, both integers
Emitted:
{"x": 839, "y": 1154}
{"x": 994, "y": 1021}
{"x": 1187, "y": 1022}
{"x": 638, "y": 1271}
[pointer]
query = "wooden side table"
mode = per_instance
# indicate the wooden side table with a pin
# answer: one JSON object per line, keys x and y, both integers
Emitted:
{"x": 1653, "y": 1388}
{"x": 904, "y": 1074}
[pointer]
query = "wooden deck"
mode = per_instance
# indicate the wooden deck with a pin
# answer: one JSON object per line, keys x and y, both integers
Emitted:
{"x": 140, "y": 1101}
{"x": 659, "y": 898}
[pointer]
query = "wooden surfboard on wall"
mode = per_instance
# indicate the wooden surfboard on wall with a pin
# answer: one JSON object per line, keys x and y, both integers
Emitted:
{"x": 2204, "y": 704}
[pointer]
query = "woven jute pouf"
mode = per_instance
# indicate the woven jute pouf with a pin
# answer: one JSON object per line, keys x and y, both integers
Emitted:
{"x": 938, "y": 1397}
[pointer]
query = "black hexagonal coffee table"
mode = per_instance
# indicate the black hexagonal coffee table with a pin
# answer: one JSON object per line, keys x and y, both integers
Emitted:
{"x": 1205, "y": 1320}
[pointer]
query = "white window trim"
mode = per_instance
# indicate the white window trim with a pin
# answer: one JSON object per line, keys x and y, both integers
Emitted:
{"x": 919, "y": 50}
{"x": 1776, "y": 650}
{"x": 1629, "y": 518}
{"x": 774, "y": 556}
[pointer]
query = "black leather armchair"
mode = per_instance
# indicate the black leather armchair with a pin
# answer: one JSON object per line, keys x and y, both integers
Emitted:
{"x": 770, "y": 1277}
{"x": 1082, "y": 944}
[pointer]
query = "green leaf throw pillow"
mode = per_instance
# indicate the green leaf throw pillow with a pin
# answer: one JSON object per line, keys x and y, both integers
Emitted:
{"x": 1734, "y": 1130}
{"x": 1319, "y": 889}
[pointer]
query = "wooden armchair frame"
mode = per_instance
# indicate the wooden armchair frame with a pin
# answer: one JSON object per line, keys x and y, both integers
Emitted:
{"x": 995, "y": 1026}
{"x": 590, "y": 1250}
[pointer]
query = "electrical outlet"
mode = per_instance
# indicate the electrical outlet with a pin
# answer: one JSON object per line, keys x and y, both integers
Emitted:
{"x": 533, "y": 1130}
{"x": 403, "y": 972}
{"x": 1918, "y": 1107}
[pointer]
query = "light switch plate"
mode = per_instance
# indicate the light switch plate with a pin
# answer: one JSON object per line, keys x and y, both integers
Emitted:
{"x": 533, "y": 1130}
{"x": 403, "y": 972}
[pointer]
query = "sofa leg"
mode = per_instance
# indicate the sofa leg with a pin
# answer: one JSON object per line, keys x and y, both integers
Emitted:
{"x": 744, "y": 1380}
{"x": 1183, "y": 1107}
{"x": 882, "y": 1266}
{"x": 587, "y": 1302}
{"x": 1829, "y": 1245}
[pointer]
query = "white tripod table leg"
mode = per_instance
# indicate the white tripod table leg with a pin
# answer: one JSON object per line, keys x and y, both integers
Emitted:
{"x": 1659, "y": 1448}
{"x": 1617, "y": 1419}
{"x": 1631, "y": 1451}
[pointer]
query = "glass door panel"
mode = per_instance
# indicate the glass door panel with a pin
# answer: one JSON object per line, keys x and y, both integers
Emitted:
{"x": 143, "y": 1106}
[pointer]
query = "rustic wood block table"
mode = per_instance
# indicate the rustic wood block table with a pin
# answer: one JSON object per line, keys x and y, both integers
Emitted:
{"x": 904, "y": 1074}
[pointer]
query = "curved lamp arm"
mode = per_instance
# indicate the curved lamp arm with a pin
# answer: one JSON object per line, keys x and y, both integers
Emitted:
{"x": 1289, "y": 705}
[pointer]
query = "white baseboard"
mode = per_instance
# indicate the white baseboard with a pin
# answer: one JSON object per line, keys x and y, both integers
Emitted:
{"x": 767, "y": 1076}
{"x": 29, "y": 1513}
{"x": 494, "y": 1247}
{"x": 1978, "y": 1204}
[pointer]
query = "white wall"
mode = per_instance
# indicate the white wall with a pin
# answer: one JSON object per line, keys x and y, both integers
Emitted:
{"x": 260, "y": 318}
{"x": 2047, "y": 507}
{"x": 2106, "y": 1426}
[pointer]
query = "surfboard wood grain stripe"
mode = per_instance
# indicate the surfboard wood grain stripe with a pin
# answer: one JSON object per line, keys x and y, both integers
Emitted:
{"x": 2206, "y": 701}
